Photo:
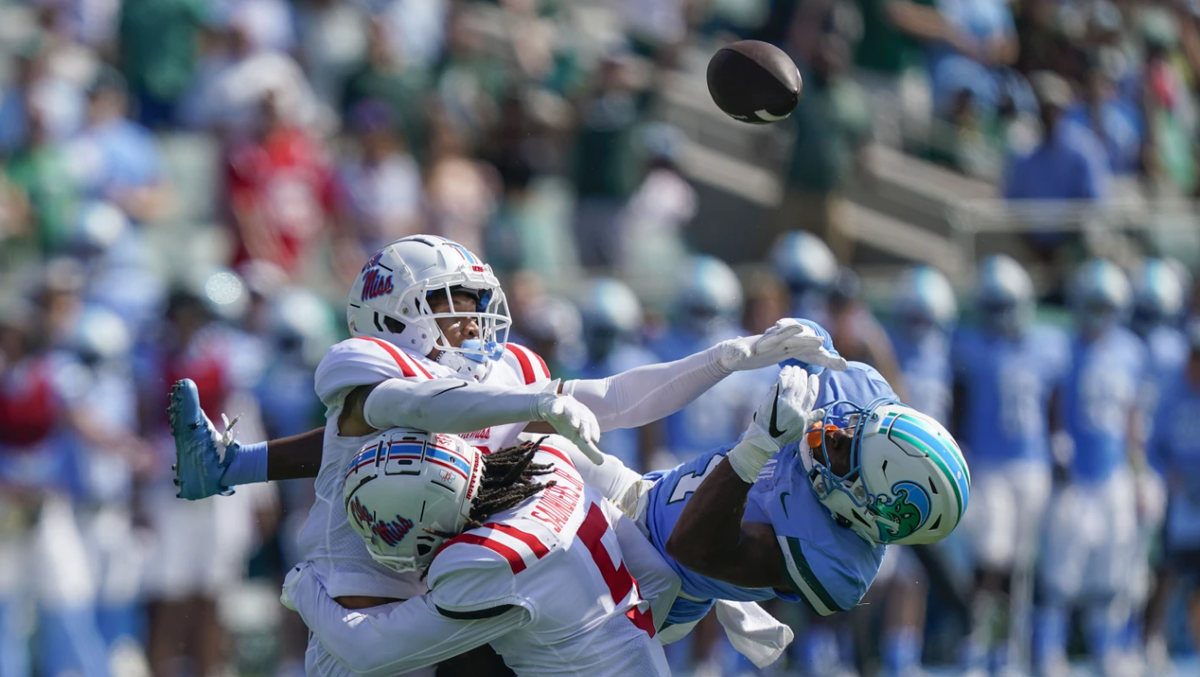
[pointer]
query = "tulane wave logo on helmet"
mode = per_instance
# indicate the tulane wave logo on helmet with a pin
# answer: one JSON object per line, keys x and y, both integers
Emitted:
{"x": 908, "y": 507}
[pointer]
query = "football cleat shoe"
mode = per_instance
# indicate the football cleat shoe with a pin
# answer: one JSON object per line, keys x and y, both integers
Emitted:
{"x": 202, "y": 454}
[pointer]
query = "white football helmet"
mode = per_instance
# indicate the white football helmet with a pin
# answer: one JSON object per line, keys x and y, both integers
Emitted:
{"x": 908, "y": 482}
{"x": 405, "y": 484}
{"x": 396, "y": 284}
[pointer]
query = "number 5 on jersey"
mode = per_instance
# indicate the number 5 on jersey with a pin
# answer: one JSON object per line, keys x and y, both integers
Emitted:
{"x": 620, "y": 582}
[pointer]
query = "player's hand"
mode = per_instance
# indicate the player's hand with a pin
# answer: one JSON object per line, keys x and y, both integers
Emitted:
{"x": 789, "y": 339}
{"x": 782, "y": 418}
{"x": 574, "y": 421}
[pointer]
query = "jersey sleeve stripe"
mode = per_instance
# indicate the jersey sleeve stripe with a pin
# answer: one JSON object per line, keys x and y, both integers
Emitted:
{"x": 541, "y": 363}
{"x": 803, "y": 580}
{"x": 412, "y": 362}
{"x": 391, "y": 350}
{"x": 539, "y": 549}
{"x": 557, "y": 452}
{"x": 526, "y": 363}
{"x": 515, "y": 561}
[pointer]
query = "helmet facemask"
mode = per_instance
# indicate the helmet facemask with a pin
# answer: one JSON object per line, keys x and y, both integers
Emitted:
{"x": 845, "y": 493}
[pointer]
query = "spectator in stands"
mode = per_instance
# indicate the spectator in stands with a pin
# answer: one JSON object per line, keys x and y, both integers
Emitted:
{"x": 462, "y": 192}
{"x": 41, "y": 196}
{"x": 1068, "y": 163}
{"x": 116, "y": 159}
{"x": 832, "y": 123}
{"x": 332, "y": 43}
{"x": 158, "y": 43}
{"x": 1113, "y": 119}
{"x": 60, "y": 101}
{"x": 279, "y": 188}
{"x": 469, "y": 81}
{"x": 605, "y": 171}
{"x": 378, "y": 194}
{"x": 892, "y": 32}
{"x": 386, "y": 77}
{"x": 978, "y": 31}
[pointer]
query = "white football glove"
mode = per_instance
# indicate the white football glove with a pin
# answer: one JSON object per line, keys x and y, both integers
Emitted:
{"x": 782, "y": 418}
{"x": 573, "y": 420}
{"x": 787, "y": 340}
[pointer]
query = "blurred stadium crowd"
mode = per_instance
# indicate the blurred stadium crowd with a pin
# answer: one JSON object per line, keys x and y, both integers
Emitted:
{"x": 189, "y": 186}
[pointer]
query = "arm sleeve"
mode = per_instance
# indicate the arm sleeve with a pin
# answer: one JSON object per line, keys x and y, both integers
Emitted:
{"x": 451, "y": 406}
{"x": 639, "y": 396}
{"x": 394, "y": 638}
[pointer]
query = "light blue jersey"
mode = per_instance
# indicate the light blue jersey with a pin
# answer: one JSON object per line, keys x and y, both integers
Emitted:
{"x": 622, "y": 442}
{"x": 1008, "y": 385}
{"x": 925, "y": 363}
{"x": 1174, "y": 451}
{"x": 1103, "y": 387}
{"x": 719, "y": 414}
{"x": 1167, "y": 350}
{"x": 830, "y": 567}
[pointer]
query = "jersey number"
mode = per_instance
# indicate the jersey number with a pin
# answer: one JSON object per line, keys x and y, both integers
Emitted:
{"x": 690, "y": 482}
{"x": 619, "y": 582}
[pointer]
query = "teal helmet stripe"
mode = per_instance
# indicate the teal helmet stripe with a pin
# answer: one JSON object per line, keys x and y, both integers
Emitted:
{"x": 922, "y": 440}
{"x": 948, "y": 446}
{"x": 947, "y": 451}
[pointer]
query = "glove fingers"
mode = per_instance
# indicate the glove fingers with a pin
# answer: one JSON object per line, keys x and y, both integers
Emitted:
{"x": 590, "y": 450}
{"x": 824, "y": 358}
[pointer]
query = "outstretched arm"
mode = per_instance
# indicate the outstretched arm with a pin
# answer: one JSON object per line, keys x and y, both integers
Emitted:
{"x": 639, "y": 396}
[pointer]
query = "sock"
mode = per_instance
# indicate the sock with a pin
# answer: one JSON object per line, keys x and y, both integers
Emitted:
{"x": 998, "y": 658}
{"x": 69, "y": 642}
{"x": 1105, "y": 626}
{"x": 818, "y": 651}
{"x": 901, "y": 650}
{"x": 14, "y": 639}
{"x": 248, "y": 465}
{"x": 1050, "y": 634}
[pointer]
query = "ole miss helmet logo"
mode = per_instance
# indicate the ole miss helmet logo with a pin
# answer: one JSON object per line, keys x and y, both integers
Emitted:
{"x": 375, "y": 284}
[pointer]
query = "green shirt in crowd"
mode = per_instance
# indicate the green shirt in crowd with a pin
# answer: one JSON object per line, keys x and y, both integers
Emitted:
{"x": 42, "y": 174}
{"x": 158, "y": 44}
{"x": 831, "y": 121}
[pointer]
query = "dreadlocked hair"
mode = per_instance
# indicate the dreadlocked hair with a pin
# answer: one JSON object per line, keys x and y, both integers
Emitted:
{"x": 507, "y": 481}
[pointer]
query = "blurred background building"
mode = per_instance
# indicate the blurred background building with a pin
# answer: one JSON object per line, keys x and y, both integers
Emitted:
{"x": 187, "y": 188}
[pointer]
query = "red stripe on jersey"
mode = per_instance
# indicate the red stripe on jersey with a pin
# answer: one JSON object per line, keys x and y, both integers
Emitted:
{"x": 397, "y": 356}
{"x": 539, "y": 549}
{"x": 413, "y": 361}
{"x": 643, "y": 621}
{"x": 557, "y": 452}
{"x": 617, "y": 579}
{"x": 541, "y": 363}
{"x": 514, "y": 559}
{"x": 526, "y": 363}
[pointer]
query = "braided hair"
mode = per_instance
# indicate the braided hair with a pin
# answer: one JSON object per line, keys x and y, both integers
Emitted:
{"x": 507, "y": 481}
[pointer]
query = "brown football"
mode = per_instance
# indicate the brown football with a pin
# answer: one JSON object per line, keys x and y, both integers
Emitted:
{"x": 754, "y": 82}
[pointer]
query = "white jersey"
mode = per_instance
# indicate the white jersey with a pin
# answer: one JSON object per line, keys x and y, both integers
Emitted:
{"x": 327, "y": 539}
{"x": 544, "y": 583}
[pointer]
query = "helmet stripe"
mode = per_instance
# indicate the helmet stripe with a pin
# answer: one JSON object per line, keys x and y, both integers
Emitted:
{"x": 905, "y": 432}
{"x": 438, "y": 456}
{"x": 946, "y": 447}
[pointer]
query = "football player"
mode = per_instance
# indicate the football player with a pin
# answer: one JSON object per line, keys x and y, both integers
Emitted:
{"x": 810, "y": 270}
{"x": 925, "y": 310}
{"x": 429, "y": 322}
{"x": 1174, "y": 451}
{"x": 1092, "y": 526}
{"x": 707, "y": 311}
{"x": 612, "y": 325}
{"x": 1005, "y": 372}
{"x": 805, "y": 520}
{"x": 517, "y": 552}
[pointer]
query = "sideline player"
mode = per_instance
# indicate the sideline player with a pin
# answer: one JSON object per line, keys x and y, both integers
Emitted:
{"x": 1092, "y": 526}
{"x": 516, "y": 550}
{"x": 1006, "y": 372}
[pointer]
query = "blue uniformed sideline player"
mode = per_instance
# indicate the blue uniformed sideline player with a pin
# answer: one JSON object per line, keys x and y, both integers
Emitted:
{"x": 707, "y": 311}
{"x": 1174, "y": 451}
{"x": 1092, "y": 527}
{"x": 612, "y": 325}
{"x": 924, "y": 310}
{"x": 1005, "y": 371}
{"x": 807, "y": 265}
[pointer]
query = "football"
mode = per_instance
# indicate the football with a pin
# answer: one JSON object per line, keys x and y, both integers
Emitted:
{"x": 754, "y": 82}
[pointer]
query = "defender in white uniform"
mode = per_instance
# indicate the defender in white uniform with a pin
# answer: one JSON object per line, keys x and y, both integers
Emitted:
{"x": 538, "y": 571}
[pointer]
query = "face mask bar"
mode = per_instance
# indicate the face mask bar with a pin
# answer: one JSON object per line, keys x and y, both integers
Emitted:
{"x": 845, "y": 415}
